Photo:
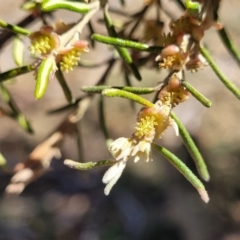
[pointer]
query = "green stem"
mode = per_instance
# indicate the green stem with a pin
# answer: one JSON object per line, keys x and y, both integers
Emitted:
{"x": 16, "y": 114}
{"x": 184, "y": 170}
{"x": 123, "y": 52}
{"x": 16, "y": 72}
{"x": 119, "y": 42}
{"x": 14, "y": 28}
{"x": 128, "y": 84}
{"x": 218, "y": 72}
{"x": 192, "y": 149}
{"x": 229, "y": 45}
{"x": 64, "y": 86}
{"x": 103, "y": 121}
{"x": 80, "y": 145}
{"x": 128, "y": 95}
{"x": 87, "y": 165}
{"x": 202, "y": 99}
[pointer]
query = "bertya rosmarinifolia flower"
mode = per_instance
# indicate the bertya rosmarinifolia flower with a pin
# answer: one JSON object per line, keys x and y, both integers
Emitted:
{"x": 46, "y": 43}
{"x": 151, "y": 124}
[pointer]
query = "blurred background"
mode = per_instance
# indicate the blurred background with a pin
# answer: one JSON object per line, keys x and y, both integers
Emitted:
{"x": 152, "y": 200}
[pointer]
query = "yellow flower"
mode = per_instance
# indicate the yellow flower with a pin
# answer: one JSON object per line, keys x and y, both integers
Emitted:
{"x": 47, "y": 43}
{"x": 44, "y": 41}
{"x": 172, "y": 57}
{"x": 70, "y": 56}
{"x": 174, "y": 92}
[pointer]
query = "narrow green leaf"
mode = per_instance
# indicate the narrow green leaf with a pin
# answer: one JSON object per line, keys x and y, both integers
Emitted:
{"x": 14, "y": 28}
{"x": 192, "y": 149}
{"x": 15, "y": 72}
{"x": 88, "y": 165}
{"x": 202, "y": 99}
{"x": 128, "y": 95}
{"x": 119, "y": 42}
{"x": 136, "y": 90}
{"x": 48, "y": 6}
{"x": 219, "y": 73}
{"x": 44, "y": 73}
{"x": 18, "y": 50}
{"x": 29, "y": 5}
{"x": 184, "y": 170}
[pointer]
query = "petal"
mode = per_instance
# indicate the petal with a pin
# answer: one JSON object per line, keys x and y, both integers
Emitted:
{"x": 174, "y": 125}
{"x": 113, "y": 171}
{"x": 124, "y": 154}
{"x": 117, "y": 144}
{"x": 109, "y": 186}
{"x": 137, "y": 158}
{"x": 82, "y": 45}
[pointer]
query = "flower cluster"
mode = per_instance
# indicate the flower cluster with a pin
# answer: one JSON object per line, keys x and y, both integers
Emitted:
{"x": 46, "y": 42}
{"x": 52, "y": 51}
{"x": 151, "y": 124}
{"x": 181, "y": 44}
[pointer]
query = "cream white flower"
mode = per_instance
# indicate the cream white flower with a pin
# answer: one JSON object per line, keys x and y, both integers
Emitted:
{"x": 151, "y": 123}
{"x": 122, "y": 149}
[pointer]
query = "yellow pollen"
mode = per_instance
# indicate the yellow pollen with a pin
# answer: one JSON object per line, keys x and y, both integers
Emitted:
{"x": 69, "y": 60}
{"x": 145, "y": 126}
{"x": 170, "y": 62}
{"x": 41, "y": 45}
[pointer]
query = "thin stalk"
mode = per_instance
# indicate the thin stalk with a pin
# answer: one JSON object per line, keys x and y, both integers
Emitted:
{"x": 136, "y": 90}
{"x": 66, "y": 90}
{"x": 16, "y": 114}
{"x": 232, "y": 49}
{"x": 219, "y": 73}
{"x": 128, "y": 83}
{"x": 102, "y": 121}
{"x": 139, "y": 20}
{"x": 80, "y": 142}
{"x": 123, "y": 52}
